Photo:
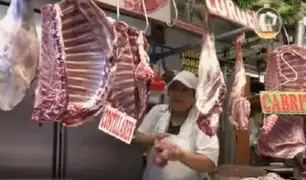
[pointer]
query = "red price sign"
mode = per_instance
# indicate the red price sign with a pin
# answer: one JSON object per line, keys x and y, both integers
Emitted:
{"x": 117, "y": 124}
{"x": 283, "y": 102}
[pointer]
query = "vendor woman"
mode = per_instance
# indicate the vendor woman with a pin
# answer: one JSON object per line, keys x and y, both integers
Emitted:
{"x": 196, "y": 153}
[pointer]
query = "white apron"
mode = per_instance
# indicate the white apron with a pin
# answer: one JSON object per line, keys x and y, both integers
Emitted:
{"x": 174, "y": 170}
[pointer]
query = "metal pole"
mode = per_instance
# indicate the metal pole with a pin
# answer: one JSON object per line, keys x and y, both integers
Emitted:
{"x": 235, "y": 32}
{"x": 300, "y": 31}
{"x": 55, "y": 151}
{"x": 220, "y": 37}
{"x": 227, "y": 137}
{"x": 62, "y": 151}
{"x": 59, "y": 151}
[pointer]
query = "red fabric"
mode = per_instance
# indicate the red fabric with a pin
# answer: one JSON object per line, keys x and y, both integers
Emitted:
{"x": 151, "y": 5}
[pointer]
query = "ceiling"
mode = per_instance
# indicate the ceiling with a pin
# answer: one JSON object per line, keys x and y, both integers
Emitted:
{"x": 222, "y": 27}
{"x": 37, "y": 3}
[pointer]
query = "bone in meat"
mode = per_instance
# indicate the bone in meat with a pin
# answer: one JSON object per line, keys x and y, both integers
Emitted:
{"x": 122, "y": 85}
{"x": 238, "y": 106}
{"x": 74, "y": 63}
{"x": 18, "y": 53}
{"x": 129, "y": 92}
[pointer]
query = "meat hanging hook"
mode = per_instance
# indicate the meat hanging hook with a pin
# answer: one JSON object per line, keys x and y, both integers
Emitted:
{"x": 146, "y": 15}
{"x": 118, "y": 9}
{"x": 172, "y": 23}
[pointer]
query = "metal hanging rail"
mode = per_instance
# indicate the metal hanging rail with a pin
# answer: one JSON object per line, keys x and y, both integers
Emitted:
{"x": 174, "y": 51}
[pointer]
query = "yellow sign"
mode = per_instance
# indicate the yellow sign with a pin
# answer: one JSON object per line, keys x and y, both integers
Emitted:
{"x": 190, "y": 61}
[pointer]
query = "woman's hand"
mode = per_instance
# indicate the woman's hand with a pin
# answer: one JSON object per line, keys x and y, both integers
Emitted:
{"x": 168, "y": 150}
{"x": 147, "y": 140}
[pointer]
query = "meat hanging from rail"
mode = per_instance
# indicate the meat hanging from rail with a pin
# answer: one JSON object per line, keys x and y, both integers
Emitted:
{"x": 239, "y": 107}
{"x": 18, "y": 53}
{"x": 211, "y": 89}
{"x": 83, "y": 52}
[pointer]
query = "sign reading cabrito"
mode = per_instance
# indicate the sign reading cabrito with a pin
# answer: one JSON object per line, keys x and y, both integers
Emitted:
{"x": 227, "y": 9}
{"x": 283, "y": 102}
{"x": 117, "y": 124}
{"x": 190, "y": 61}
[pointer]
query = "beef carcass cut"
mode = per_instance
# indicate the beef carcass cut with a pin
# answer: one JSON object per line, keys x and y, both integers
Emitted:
{"x": 18, "y": 53}
{"x": 128, "y": 87}
{"x": 122, "y": 85}
{"x": 211, "y": 90}
{"x": 239, "y": 107}
{"x": 281, "y": 136}
{"x": 93, "y": 61}
{"x": 77, "y": 43}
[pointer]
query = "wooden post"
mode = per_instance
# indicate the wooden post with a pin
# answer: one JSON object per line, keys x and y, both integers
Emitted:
{"x": 242, "y": 137}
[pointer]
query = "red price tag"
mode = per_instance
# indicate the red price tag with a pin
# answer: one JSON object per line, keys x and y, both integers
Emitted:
{"x": 117, "y": 124}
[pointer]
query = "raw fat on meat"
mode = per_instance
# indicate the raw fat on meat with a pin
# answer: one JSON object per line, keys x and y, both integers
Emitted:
{"x": 151, "y": 5}
{"x": 286, "y": 68}
{"x": 281, "y": 136}
{"x": 239, "y": 107}
{"x": 211, "y": 90}
{"x": 94, "y": 61}
{"x": 77, "y": 43}
{"x": 18, "y": 53}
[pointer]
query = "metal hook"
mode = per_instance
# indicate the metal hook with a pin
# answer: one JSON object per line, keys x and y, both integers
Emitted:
{"x": 118, "y": 9}
{"x": 146, "y": 15}
{"x": 172, "y": 23}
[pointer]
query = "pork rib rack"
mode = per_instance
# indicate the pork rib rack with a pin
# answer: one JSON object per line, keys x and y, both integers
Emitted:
{"x": 82, "y": 52}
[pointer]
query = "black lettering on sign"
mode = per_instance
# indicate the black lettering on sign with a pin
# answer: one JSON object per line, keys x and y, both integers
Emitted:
{"x": 190, "y": 61}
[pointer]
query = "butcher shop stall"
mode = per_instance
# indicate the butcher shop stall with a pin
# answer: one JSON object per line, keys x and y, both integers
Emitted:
{"x": 77, "y": 77}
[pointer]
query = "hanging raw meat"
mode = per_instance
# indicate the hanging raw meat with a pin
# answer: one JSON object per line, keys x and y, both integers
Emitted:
{"x": 239, "y": 107}
{"x": 77, "y": 43}
{"x": 18, "y": 53}
{"x": 211, "y": 90}
{"x": 144, "y": 75}
{"x": 129, "y": 91}
{"x": 91, "y": 62}
{"x": 283, "y": 136}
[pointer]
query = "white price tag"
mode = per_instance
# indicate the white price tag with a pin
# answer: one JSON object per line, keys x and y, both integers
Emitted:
{"x": 117, "y": 124}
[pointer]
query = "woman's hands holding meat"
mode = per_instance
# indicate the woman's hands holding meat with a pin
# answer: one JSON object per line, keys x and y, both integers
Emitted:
{"x": 165, "y": 150}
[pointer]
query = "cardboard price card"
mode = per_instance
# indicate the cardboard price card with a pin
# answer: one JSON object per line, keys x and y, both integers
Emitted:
{"x": 283, "y": 102}
{"x": 117, "y": 124}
